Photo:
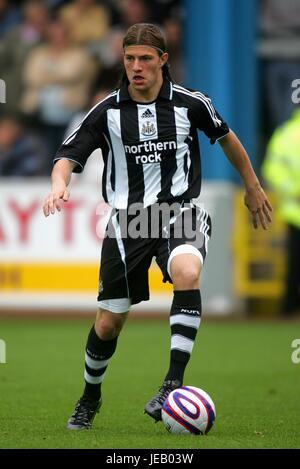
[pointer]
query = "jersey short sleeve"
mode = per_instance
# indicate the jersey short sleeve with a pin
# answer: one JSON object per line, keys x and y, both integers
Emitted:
{"x": 207, "y": 118}
{"x": 86, "y": 138}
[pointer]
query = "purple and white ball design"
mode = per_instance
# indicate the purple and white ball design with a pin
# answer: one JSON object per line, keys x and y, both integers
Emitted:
{"x": 188, "y": 410}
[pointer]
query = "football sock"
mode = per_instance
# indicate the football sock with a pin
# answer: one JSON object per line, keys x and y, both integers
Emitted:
{"x": 185, "y": 317}
{"x": 97, "y": 355}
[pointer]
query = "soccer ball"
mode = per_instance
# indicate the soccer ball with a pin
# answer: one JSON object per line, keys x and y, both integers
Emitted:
{"x": 188, "y": 410}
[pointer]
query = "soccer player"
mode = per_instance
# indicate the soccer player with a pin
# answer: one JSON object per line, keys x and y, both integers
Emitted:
{"x": 147, "y": 131}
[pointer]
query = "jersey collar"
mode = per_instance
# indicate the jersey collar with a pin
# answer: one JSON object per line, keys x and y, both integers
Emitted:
{"x": 166, "y": 92}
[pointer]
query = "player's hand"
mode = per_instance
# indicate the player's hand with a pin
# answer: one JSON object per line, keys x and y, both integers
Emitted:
{"x": 258, "y": 205}
{"x": 53, "y": 201}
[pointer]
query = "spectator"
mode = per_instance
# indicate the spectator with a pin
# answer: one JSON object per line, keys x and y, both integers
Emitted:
{"x": 55, "y": 5}
{"x": 279, "y": 49}
{"x": 161, "y": 10}
{"x": 21, "y": 153}
{"x": 57, "y": 81}
{"x": 110, "y": 50}
{"x": 173, "y": 32}
{"x": 17, "y": 44}
{"x": 85, "y": 21}
{"x": 133, "y": 11}
{"x": 9, "y": 17}
{"x": 281, "y": 169}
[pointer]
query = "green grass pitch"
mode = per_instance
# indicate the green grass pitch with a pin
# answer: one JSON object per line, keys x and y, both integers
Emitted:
{"x": 245, "y": 366}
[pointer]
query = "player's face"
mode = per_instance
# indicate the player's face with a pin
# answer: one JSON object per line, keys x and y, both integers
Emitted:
{"x": 143, "y": 67}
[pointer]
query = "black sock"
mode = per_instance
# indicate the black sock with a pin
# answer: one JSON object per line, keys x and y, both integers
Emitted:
{"x": 97, "y": 355}
{"x": 185, "y": 317}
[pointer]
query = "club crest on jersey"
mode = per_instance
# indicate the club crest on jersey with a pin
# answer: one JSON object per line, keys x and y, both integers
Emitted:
{"x": 148, "y": 129}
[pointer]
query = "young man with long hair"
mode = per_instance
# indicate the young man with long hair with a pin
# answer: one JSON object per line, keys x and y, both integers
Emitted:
{"x": 147, "y": 131}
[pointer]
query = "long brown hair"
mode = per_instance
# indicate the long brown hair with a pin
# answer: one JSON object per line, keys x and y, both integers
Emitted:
{"x": 146, "y": 34}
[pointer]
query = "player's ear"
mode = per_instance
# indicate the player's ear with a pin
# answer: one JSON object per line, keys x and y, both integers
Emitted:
{"x": 164, "y": 59}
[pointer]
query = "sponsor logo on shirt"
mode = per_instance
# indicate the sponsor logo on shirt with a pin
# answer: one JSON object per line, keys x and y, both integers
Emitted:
{"x": 149, "y": 151}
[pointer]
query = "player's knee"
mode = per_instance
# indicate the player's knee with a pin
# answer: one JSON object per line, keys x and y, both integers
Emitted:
{"x": 107, "y": 330}
{"x": 186, "y": 277}
{"x": 109, "y": 326}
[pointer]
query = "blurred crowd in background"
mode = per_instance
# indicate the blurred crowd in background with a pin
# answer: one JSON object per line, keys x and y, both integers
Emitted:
{"x": 279, "y": 60}
{"x": 57, "y": 59}
{"x": 279, "y": 54}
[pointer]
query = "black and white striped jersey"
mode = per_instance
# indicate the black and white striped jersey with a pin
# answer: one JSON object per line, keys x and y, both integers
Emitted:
{"x": 150, "y": 150}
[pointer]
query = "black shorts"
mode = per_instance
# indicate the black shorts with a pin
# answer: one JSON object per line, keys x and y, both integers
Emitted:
{"x": 131, "y": 242}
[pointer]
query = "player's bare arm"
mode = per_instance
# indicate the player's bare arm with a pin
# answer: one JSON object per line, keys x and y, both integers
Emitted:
{"x": 60, "y": 177}
{"x": 255, "y": 198}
